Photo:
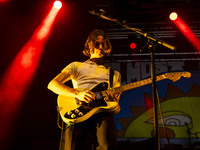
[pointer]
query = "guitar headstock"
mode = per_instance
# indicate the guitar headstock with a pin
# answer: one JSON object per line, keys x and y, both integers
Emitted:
{"x": 174, "y": 76}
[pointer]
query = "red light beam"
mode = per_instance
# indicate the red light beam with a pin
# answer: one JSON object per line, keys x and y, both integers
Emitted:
{"x": 188, "y": 33}
{"x": 17, "y": 79}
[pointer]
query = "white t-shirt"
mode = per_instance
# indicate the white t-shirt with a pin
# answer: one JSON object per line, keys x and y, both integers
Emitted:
{"x": 85, "y": 75}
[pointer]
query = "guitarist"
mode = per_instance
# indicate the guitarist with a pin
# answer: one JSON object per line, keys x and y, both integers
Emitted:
{"x": 85, "y": 75}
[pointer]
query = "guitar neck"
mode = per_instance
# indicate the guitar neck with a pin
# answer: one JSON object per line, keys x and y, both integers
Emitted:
{"x": 172, "y": 76}
{"x": 135, "y": 84}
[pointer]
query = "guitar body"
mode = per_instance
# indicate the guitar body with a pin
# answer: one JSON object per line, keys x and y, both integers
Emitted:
{"x": 72, "y": 113}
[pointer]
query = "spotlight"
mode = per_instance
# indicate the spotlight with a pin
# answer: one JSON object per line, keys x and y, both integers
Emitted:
{"x": 57, "y": 4}
{"x": 132, "y": 45}
{"x": 173, "y": 16}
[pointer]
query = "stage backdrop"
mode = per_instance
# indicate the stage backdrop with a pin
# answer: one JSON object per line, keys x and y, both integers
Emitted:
{"x": 179, "y": 102}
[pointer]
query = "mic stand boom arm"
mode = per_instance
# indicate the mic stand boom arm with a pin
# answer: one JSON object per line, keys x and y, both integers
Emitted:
{"x": 136, "y": 30}
{"x": 152, "y": 46}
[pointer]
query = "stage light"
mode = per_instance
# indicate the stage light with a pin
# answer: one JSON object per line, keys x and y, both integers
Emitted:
{"x": 187, "y": 32}
{"x": 17, "y": 79}
{"x": 132, "y": 45}
{"x": 173, "y": 16}
{"x": 3, "y": 0}
{"x": 57, "y": 4}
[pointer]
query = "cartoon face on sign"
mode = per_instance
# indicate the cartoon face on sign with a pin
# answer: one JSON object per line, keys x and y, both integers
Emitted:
{"x": 180, "y": 111}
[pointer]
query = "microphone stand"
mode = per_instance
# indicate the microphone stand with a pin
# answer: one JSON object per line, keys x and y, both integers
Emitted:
{"x": 189, "y": 136}
{"x": 152, "y": 46}
{"x": 154, "y": 96}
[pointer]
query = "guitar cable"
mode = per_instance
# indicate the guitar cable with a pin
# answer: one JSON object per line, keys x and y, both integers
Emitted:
{"x": 62, "y": 129}
{"x": 161, "y": 116}
{"x": 61, "y": 136}
{"x": 58, "y": 121}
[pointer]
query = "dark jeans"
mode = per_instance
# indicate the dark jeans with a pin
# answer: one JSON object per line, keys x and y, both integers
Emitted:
{"x": 101, "y": 126}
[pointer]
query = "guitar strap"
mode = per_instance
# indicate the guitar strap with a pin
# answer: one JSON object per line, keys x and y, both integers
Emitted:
{"x": 111, "y": 77}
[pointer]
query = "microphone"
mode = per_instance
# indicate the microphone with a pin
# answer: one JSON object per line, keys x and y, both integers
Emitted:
{"x": 92, "y": 12}
{"x": 100, "y": 13}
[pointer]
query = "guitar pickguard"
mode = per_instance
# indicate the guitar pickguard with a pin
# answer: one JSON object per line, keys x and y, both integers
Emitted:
{"x": 84, "y": 107}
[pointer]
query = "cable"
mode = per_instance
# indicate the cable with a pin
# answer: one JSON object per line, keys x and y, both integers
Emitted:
{"x": 161, "y": 116}
{"x": 58, "y": 121}
{"x": 61, "y": 136}
{"x": 62, "y": 129}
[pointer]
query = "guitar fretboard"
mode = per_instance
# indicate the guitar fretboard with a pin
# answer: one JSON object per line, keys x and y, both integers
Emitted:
{"x": 135, "y": 84}
{"x": 172, "y": 76}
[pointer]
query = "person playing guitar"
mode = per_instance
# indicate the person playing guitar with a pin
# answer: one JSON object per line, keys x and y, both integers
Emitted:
{"x": 86, "y": 77}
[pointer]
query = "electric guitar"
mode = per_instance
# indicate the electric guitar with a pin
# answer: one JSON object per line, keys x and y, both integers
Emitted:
{"x": 71, "y": 112}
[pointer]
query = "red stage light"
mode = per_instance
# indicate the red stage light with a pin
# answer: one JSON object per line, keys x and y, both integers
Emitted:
{"x": 132, "y": 45}
{"x": 189, "y": 34}
{"x": 16, "y": 81}
{"x": 57, "y": 4}
{"x": 173, "y": 16}
{"x": 3, "y": 0}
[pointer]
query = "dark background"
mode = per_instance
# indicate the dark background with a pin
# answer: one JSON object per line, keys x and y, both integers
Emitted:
{"x": 36, "y": 125}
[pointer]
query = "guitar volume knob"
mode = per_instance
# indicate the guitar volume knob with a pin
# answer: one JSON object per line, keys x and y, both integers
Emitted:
{"x": 69, "y": 112}
{"x": 76, "y": 111}
{"x": 80, "y": 114}
{"x": 73, "y": 116}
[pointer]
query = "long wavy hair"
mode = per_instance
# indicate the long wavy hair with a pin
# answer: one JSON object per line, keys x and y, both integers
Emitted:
{"x": 92, "y": 37}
